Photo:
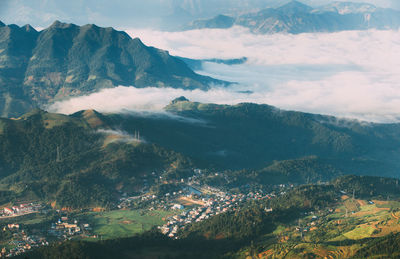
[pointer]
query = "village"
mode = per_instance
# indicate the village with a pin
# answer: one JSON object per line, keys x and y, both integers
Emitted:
{"x": 193, "y": 201}
{"x": 21, "y": 241}
{"x": 208, "y": 207}
{"x": 196, "y": 201}
{"x": 65, "y": 228}
{"x": 21, "y": 237}
{"x": 192, "y": 205}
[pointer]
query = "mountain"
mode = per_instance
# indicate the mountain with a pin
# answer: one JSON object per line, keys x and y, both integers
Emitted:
{"x": 61, "y": 158}
{"x": 219, "y": 21}
{"x": 67, "y": 60}
{"x": 295, "y": 17}
{"x": 133, "y": 14}
{"x": 221, "y": 134}
{"x": 70, "y": 161}
{"x": 346, "y": 8}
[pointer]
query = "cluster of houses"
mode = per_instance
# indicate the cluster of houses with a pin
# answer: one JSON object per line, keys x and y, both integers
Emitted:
{"x": 22, "y": 242}
{"x": 213, "y": 203}
{"x": 154, "y": 201}
{"x": 212, "y": 206}
{"x": 126, "y": 202}
{"x": 20, "y": 210}
{"x": 64, "y": 228}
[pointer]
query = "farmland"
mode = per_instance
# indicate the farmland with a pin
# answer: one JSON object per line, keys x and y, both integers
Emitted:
{"x": 123, "y": 223}
{"x": 337, "y": 233}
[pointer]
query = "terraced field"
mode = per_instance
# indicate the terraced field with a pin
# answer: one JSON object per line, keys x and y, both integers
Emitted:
{"x": 337, "y": 234}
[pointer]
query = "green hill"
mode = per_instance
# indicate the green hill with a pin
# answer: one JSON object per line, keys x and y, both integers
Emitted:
{"x": 60, "y": 158}
{"x": 251, "y": 136}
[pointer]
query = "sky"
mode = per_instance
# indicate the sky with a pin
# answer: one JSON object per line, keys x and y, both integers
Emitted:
{"x": 136, "y": 13}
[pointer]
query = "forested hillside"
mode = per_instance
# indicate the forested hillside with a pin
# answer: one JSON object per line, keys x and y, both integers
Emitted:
{"x": 55, "y": 157}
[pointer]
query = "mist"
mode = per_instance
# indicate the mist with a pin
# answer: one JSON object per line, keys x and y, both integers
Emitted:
{"x": 352, "y": 74}
{"x": 121, "y": 136}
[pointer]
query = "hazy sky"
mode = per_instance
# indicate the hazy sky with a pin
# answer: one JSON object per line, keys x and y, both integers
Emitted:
{"x": 135, "y": 13}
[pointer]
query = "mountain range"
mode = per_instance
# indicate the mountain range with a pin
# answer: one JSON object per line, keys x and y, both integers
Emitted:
{"x": 295, "y": 17}
{"x": 38, "y": 67}
{"x": 167, "y": 14}
{"x": 61, "y": 158}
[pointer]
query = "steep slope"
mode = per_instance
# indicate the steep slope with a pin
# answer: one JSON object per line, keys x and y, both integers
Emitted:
{"x": 295, "y": 17}
{"x": 68, "y": 60}
{"x": 16, "y": 44}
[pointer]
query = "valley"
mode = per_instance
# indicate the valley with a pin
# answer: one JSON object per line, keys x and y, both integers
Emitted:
{"x": 312, "y": 220}
{"x": 229, "y": 129}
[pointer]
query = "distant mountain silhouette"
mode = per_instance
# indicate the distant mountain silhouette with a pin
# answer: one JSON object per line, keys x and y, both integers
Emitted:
{"x": 296, "y": 17}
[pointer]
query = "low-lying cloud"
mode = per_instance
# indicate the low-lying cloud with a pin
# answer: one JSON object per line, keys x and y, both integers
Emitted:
{"x": 122, "y": 136}
{"x": 352, "y": 74}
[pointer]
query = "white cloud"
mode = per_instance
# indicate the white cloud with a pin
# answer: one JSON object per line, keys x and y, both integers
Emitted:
{"x": 348, "y": 74}
{"x": 122, "y": 136}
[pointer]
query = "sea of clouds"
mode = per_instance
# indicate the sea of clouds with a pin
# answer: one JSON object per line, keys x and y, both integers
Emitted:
{"x": 352, "y": 74}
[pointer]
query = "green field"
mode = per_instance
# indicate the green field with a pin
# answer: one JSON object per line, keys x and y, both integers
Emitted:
{"x": 391, "y": 205}
{"x": 124, "y": 223}
{"x": 360, "y": 232}
{"x": 27, "y": 220}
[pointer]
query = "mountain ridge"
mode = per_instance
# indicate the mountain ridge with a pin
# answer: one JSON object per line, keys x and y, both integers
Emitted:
{"x": 296, "y": 17}
{"x": 46, "y": 151}
{"x": 64, "y": 60}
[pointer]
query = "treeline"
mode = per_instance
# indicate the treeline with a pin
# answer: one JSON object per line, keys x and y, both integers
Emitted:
{"x": 297, "y": 171}
{"x": 368, "y": 187}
